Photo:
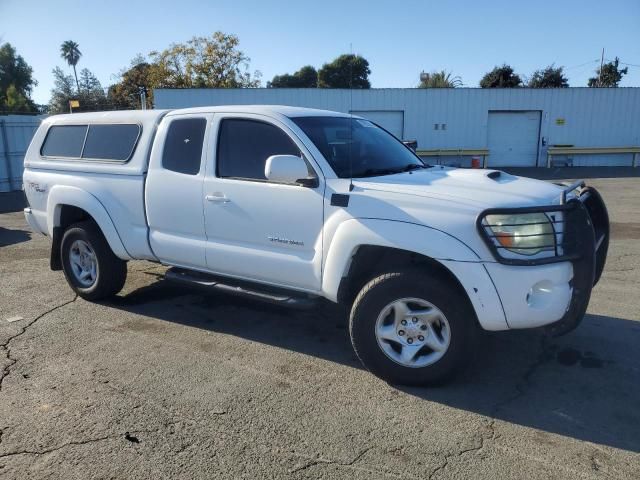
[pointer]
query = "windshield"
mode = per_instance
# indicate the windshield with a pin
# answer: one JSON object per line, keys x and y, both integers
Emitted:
{"x": 359, "y": 147}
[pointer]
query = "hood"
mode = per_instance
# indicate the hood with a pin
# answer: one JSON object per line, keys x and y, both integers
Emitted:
{"x": 447, "y": 199}
{"x": 477, "y": 188}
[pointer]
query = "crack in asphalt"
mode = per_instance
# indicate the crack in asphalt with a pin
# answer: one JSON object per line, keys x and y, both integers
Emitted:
{"x": 126, "y": 436}
{"x": 481, "y": 440}
{"x": 543, "y": 357}
{"x": 448, "y": 457}
{"x": 60, "y": 447}
{"x": 328, "y": 461}
{"x": 6, "y": 345}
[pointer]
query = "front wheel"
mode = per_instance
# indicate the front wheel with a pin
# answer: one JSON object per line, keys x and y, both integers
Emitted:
{"x": 412, "y": 329}
{"x": 92, "y": 269}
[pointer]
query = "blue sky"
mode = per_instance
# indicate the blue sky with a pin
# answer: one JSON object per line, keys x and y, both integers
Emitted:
{"x": 399, "y": 38}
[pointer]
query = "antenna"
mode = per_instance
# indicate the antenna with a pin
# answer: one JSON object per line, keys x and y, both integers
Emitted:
{"x": 350, "y": 116}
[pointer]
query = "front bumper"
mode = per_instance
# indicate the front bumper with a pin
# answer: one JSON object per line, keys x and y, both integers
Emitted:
{"x": 555, "y": 290}
{"x": 533, "y": 296}
{"x": 591, "y": 226}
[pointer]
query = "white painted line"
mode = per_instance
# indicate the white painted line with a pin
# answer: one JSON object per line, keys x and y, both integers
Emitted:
{"x": 14, "y": 319}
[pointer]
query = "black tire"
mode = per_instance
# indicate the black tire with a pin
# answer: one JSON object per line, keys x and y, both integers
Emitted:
{"x": 387, "y": 288}
{"x": 111, "y": 270}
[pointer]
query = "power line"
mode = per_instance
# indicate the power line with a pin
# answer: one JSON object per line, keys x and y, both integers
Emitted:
{"x": 622, "y": 63}
{"x": 582, "y": 64}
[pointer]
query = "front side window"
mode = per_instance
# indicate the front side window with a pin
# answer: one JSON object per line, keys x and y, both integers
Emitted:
{"x": 244, "y": 146}
{"x": 183, "y": 145}
{"x": 359, "y": 147}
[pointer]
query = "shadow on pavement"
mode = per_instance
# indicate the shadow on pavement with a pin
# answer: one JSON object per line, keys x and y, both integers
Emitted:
{"x": 11, "y": 236}
{"x": 12, "y": 201}
{"x": 584, "y": 385}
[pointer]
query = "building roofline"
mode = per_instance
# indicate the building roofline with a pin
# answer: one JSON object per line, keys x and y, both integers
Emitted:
{"x": 402, "y": 88}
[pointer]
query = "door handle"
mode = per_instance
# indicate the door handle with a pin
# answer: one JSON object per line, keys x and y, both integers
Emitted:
{"x": 217, "y": 197}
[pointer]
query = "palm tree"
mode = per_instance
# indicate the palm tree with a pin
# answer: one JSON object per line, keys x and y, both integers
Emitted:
{"x": 71, "y": 53}
{"x": 440, "y": 79}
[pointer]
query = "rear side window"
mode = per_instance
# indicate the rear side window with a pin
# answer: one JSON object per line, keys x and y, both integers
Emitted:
{"x": 245, "y": 145}
{"x": 64, "y": 141}
{"x": 111, "y": 142}
{"x": 183, "y": 145}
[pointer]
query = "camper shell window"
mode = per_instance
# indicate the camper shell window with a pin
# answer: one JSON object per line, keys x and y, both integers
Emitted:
{"x": 101, "y": 142}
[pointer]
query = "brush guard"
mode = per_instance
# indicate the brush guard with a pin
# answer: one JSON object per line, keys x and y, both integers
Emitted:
{"x": 581, "y": 236}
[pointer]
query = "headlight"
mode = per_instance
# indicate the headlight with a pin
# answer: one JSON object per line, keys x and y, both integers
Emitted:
{"x": 525, "y": 233}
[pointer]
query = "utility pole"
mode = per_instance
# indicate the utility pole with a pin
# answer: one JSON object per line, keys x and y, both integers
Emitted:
{"x": 143, "y": 97}
{"x": 601, "y": 63}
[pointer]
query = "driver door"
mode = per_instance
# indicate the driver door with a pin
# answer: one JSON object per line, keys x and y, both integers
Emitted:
{"x": 256, "y": 229}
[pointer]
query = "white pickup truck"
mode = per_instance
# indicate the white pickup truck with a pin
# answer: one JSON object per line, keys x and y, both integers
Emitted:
{"x": 292, "y": 205}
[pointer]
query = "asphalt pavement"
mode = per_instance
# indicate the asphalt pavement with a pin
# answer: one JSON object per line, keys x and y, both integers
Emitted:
{"x": 168, "y": 382}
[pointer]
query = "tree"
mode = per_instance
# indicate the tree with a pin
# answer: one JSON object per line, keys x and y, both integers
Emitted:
{"x": 62, "y": 92}
{"x": 204, "y": 62}
{"x": 550, "y": 77}
{"x": 16, "y": 101}
{"x": 70, "y": 51}
{"x": 91, "y": 96}
{"x": 126, "y": 93}
{"x": 306, "y": 77}
{"x": 609, "y": 76}
{"x": 346, "y": 71}
{"x": 441, "y": 79}
{"x": 16, "y": 81}
{"x": 501, "y": 77}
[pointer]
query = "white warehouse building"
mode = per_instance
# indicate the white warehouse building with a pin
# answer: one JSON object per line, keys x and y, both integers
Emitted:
{"x": 518, "y": 127}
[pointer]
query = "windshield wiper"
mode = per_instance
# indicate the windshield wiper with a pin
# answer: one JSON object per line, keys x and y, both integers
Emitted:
{"x": 374, "y": 172}
{"x": 414, "y": 166}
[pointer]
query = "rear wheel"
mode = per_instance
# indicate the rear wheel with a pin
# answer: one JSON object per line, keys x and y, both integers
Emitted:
{"x": 412, "y": 329}
{"x": 90, "y": 266}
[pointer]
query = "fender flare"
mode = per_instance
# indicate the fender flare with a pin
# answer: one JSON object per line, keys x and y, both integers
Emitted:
{"x": 454, "y": 255}
{"x": 65, "y": 195}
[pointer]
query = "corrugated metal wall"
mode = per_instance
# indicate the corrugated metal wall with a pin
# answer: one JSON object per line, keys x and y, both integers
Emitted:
{"x": 15, "y": 134}
{"x": 584, "y": 117}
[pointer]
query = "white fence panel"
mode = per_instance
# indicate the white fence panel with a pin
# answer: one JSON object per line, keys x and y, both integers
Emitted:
{"x": 15, "y": 134}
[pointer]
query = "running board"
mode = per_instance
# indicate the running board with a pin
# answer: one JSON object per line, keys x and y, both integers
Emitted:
{"x": 263, "y": 293}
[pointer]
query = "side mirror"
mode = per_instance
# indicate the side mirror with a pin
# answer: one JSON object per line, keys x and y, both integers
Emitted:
{"x": 288, "y": 169}
{"x": 412, "y": 144}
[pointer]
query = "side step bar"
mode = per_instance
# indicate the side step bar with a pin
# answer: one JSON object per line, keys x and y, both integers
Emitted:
{"x": 245, "y": 289}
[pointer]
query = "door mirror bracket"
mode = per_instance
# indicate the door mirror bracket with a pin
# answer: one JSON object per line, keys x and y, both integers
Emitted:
{"x": 309, "y": 182}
